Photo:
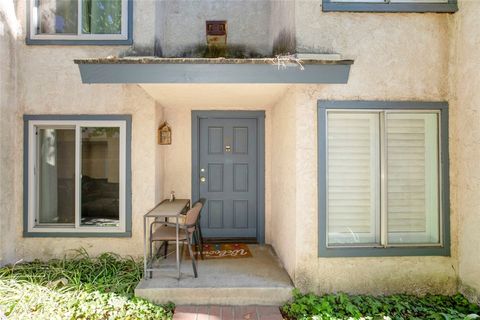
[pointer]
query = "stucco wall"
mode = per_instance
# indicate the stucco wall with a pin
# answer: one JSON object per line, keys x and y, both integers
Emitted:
{"x": 284, "y": 191}
{"x": 184, "y": 23}
{"x": 465, "y": 137}
{"x": 49, "y": 83}
{"x": 8, "y": 105}
{"x": 357, "y": 275}
{"x": 391, "y": 63}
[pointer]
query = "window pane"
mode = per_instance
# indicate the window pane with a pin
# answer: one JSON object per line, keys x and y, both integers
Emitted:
{"x": 100, "y": 176}
{"x": 102, "y": 16}
{"x": 412, "y": 169}
{"x": 57, "y": 17}
{"x": 56, "y": 176}
{"x": 353, "y": 178}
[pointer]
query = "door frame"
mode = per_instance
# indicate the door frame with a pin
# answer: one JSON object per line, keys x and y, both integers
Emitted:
{"x": 197, "y": 115}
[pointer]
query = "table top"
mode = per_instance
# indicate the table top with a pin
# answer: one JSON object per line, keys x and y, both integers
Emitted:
{"x": 168, "y": 208}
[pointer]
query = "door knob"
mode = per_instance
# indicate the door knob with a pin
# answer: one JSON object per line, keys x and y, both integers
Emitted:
{"x": 203, "y": 179}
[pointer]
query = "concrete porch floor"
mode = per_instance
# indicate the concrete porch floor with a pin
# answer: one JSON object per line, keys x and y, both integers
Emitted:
{"x": 259, "y": 280}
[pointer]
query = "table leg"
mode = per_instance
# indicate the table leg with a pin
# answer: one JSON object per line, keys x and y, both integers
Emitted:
{"x": 145, "y": 248}
{"x": 177, "y": 247}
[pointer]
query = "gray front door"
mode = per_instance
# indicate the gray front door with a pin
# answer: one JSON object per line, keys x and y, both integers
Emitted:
{"x": 228, "y": 177}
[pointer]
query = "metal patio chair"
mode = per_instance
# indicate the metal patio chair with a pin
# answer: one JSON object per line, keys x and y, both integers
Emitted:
{"x": 198, "y": 230}
{"x": 167, "y": 232}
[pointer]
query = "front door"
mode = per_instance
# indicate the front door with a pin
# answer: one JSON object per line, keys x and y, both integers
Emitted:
{"x": 228, "y": 169}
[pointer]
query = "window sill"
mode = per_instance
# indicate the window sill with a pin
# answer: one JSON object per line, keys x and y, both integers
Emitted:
{"x": 451, "y": 7}
{"x": 124, "y": 42}
{"x": 127, "y": 234}
{"x": 383, "y": 252}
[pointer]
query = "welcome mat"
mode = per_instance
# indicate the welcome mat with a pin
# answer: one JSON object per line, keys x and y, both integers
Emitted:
{"x": 222, "y": 251}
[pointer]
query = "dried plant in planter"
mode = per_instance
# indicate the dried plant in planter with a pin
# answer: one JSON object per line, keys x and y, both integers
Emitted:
{"x": 228, "y": 51}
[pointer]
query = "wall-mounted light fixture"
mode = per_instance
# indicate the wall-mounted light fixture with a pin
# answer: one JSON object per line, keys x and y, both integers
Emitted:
{"x": 164, "y": 134}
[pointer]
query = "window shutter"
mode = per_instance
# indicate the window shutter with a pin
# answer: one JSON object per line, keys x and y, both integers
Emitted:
{"x": 353, "y": 177}
{"x": 412, "y": 171}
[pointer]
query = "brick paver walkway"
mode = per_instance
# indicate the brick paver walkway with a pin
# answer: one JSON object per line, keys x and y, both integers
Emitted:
{"x": 227, "y": 313}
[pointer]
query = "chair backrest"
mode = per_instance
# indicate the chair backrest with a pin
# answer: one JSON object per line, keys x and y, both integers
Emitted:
{"x": 193, "y": 214}
{"x": 202, "y": 201}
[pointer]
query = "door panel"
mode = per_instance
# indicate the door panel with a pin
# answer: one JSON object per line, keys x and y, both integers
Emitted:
{"x": 228, "y": 175}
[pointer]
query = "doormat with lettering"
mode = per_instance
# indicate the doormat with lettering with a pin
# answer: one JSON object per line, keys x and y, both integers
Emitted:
{"x": 222, "y": 251}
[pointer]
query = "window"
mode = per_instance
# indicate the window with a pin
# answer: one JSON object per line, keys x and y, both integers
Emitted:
{"x": 383, "y": 187}
{"x": 78, "y": 175}
{"x": 80, "y": 22}
{"x": 391, "y": 5}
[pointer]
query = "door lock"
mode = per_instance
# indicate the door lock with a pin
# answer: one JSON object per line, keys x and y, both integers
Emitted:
{"x": 228, "y": 148}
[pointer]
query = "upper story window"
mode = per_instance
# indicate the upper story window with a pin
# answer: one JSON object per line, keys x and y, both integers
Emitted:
{"x": 391, "y": 5}
{"x": 80, "y": 22}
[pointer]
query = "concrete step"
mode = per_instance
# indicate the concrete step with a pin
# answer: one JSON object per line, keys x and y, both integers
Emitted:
{"x": 259, "y": 280}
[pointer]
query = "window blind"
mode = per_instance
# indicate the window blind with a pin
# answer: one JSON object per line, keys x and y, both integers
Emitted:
{"x": 353, "y": 178}
{"x": 412, "y": 171}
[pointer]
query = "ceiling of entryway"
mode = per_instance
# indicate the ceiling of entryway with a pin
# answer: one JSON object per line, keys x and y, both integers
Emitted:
{"x": 216, "y": 95}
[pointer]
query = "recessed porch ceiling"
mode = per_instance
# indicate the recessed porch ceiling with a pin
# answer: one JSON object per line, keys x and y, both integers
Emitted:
{"x": 217, "y": 96}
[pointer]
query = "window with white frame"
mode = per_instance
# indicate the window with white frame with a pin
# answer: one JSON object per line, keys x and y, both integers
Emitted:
{"x": 383, "y": 178}
{"x": 77, "y": 176}
{"x": 88, "y": 20}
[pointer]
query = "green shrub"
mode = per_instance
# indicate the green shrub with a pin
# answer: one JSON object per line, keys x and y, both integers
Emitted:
{"x": 343, "y": 306}
{"x": 80, "y": 287}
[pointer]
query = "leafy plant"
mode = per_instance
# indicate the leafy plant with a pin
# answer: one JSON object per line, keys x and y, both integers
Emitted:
{"x": 395, "y": 307}
{"x": 80, "y": 287}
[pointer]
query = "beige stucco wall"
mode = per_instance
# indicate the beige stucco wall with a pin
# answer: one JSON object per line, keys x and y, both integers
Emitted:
{"x": 284, "y": 191}
{"x": 357, "y": 275}
{"x": 184, "y": 23}
{"x": 8, "y": 105}
{"x": 391, "y": 63}
{"x": 465, "y": 119}
{"x": 48, "y": 82}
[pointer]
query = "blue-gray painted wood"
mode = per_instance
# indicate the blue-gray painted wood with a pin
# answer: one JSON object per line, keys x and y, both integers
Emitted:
{"x": 212, "y": 73}
{"x": 323, "y": 250}
{"x": 230, "y": 172}
{"x": 449, "y": 7}
{"x": 237, "y": 219}
{"x": 128, "y": 41}
{"x": 128, "y": 175}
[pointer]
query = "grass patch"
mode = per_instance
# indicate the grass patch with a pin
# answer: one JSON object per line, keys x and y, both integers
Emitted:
{"x": 79, "y": 287}
{"x": 395, "y": 307}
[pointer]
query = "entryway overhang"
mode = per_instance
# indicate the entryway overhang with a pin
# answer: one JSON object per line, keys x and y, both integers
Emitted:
{"x": 145, "y": 70}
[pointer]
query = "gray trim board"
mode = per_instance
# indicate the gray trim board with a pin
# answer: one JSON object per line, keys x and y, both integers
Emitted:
{"x": 212, "y": 73}
{"x": 450, "y": 7}
{"x": 260, "y": 116}
{"x": 128, "y": 41}
{"x": 323, "y": 250}
{"x": 128, "y": 175}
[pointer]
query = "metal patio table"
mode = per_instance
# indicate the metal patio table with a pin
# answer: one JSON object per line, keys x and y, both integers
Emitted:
{"x": 165, "y": 209}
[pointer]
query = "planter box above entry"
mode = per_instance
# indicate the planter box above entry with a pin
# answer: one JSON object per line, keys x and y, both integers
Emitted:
{"x": 217, "y": 70}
